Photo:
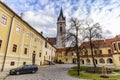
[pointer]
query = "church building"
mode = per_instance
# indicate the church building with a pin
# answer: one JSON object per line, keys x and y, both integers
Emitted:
{"x": 59, "y": 42}
{"x": 107, "y": 53}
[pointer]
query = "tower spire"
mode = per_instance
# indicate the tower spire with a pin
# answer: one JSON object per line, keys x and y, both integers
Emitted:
{"x": 61, "y": 15}
{"x": 61, "y": 12}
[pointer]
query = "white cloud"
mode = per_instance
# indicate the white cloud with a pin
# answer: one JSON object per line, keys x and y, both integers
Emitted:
{"x": 42, "y": 15}
{"x": 43, "y": 20}
{"x": 43, "y": 2}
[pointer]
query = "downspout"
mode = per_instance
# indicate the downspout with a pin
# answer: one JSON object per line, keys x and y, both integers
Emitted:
{"x": 7, "y": 44}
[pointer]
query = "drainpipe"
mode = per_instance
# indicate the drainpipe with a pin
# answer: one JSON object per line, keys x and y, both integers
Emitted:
{"x": 7, "y": 44}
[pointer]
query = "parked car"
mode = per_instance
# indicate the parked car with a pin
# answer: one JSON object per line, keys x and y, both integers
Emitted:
{"x": 24, "y": 69}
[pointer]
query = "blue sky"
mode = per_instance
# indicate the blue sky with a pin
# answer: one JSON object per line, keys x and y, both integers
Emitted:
{"x": 42, "y": 14}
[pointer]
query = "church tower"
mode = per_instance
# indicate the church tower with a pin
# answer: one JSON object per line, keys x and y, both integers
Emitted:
{"x": 61, "y": 30}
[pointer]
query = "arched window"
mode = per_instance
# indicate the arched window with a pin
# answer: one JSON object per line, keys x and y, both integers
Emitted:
{"x": 82, "y": 61}
{"x": 109, "y": 60}
{"x": 102, "y": 60}
{"x": 88, "y": 61}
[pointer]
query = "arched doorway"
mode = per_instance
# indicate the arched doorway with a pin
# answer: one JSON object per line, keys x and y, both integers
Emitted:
{"x": 88, "y": 61}
{"x": 102, "y": 60}
{"x": 109, "y": 60}
{"x": 33, "y": 57}
{"x": 82, "y": 61}
{"x": 60, "y": 61}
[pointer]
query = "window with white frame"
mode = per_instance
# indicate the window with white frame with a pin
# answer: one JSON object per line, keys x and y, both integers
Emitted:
{"x": 4, "y": 19}
{"x": 17, "y": 28}
{"x": 27, "y": 35}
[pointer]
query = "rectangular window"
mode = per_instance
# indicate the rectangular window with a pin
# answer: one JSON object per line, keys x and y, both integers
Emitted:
{"x": 14, "y": 48}
{"x": 100, "y": 51}
{"x": 4, "y": 19}
{"x": 12, "y": 63}
{"x": 0, "y": 43}
{"x": 114, "y": 46}
{"x": 95, "y": 52}
{"x": 119, "y": 46}
{"x": 61, "y": 29}
{"x": 39, "y": 54}
{"x": 25, "y": 50}
{"x": 45, "y": 44}
{"x": 109, "y": 51}
{"x": 24, "y": 63}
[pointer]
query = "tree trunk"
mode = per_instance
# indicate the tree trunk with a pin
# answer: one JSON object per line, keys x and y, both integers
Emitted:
{"x": 78, "y": 61}
{"x": 91, "y": 47}
{"x": 78, "y": 55}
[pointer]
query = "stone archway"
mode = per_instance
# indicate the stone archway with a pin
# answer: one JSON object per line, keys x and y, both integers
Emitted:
{"x": 82, "y": 61}
{"x": 87, "y": 61}
{"x": 102, "y": 60}
{"x": 109, "y": 60}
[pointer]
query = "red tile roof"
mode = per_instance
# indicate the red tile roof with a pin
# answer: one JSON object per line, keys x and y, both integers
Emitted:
{"x": 99, "y": 43}
{"x": 117, "y": 38}
{"x": 64, "y": 49}
{"x": 52, "y": 40}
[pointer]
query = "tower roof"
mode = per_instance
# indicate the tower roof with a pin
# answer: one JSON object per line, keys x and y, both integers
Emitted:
{"x": 61, "y": 15}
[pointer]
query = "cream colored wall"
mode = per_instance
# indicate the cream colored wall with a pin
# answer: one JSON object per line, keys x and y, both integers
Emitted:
{"x": 4, "y": 31}
{"x": 104, "y": 50}
{"x": 25, "y": 38}
{"x": 66, "y": 59}
{"x": 48, "y": 52}
{"x": 116, "y": 56}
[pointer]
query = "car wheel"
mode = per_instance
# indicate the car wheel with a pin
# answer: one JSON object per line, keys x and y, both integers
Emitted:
{"x": 33, "y": 71}
{"x": 17, "y": 73}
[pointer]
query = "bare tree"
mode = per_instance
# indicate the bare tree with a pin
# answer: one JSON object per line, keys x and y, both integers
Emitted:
{"x": 73, "y": 38}
{"x": 92, "y": 32}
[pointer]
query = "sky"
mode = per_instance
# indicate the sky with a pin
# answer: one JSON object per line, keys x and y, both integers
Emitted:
{"x": 42, "y": 14}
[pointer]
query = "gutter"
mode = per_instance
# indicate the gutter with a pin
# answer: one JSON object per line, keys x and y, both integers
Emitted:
{"x": 7, "y": 43}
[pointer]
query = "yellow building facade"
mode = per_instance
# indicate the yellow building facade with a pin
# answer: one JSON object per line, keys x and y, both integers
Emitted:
{"x": 62, "y": 56}
{"x": 21, "y": 44}
{"x": 106, "y": 53}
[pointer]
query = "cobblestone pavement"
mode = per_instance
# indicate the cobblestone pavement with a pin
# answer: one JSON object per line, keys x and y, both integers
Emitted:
{"x": 52, "y": 72}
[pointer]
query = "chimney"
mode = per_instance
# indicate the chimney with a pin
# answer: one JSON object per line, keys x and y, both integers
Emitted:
{"x": 41, "y": 33}
{"x": 22, "y": 15}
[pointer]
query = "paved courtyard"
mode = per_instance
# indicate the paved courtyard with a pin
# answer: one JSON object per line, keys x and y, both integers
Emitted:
{"x": 53, "y": 72}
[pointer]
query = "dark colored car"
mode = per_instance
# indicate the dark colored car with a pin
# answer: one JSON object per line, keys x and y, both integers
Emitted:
{"x": 24, "y": 69}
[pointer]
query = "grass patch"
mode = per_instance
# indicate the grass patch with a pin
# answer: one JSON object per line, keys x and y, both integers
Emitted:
{"x": 92, "y": 76}
{"x": 82, "y": 68}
